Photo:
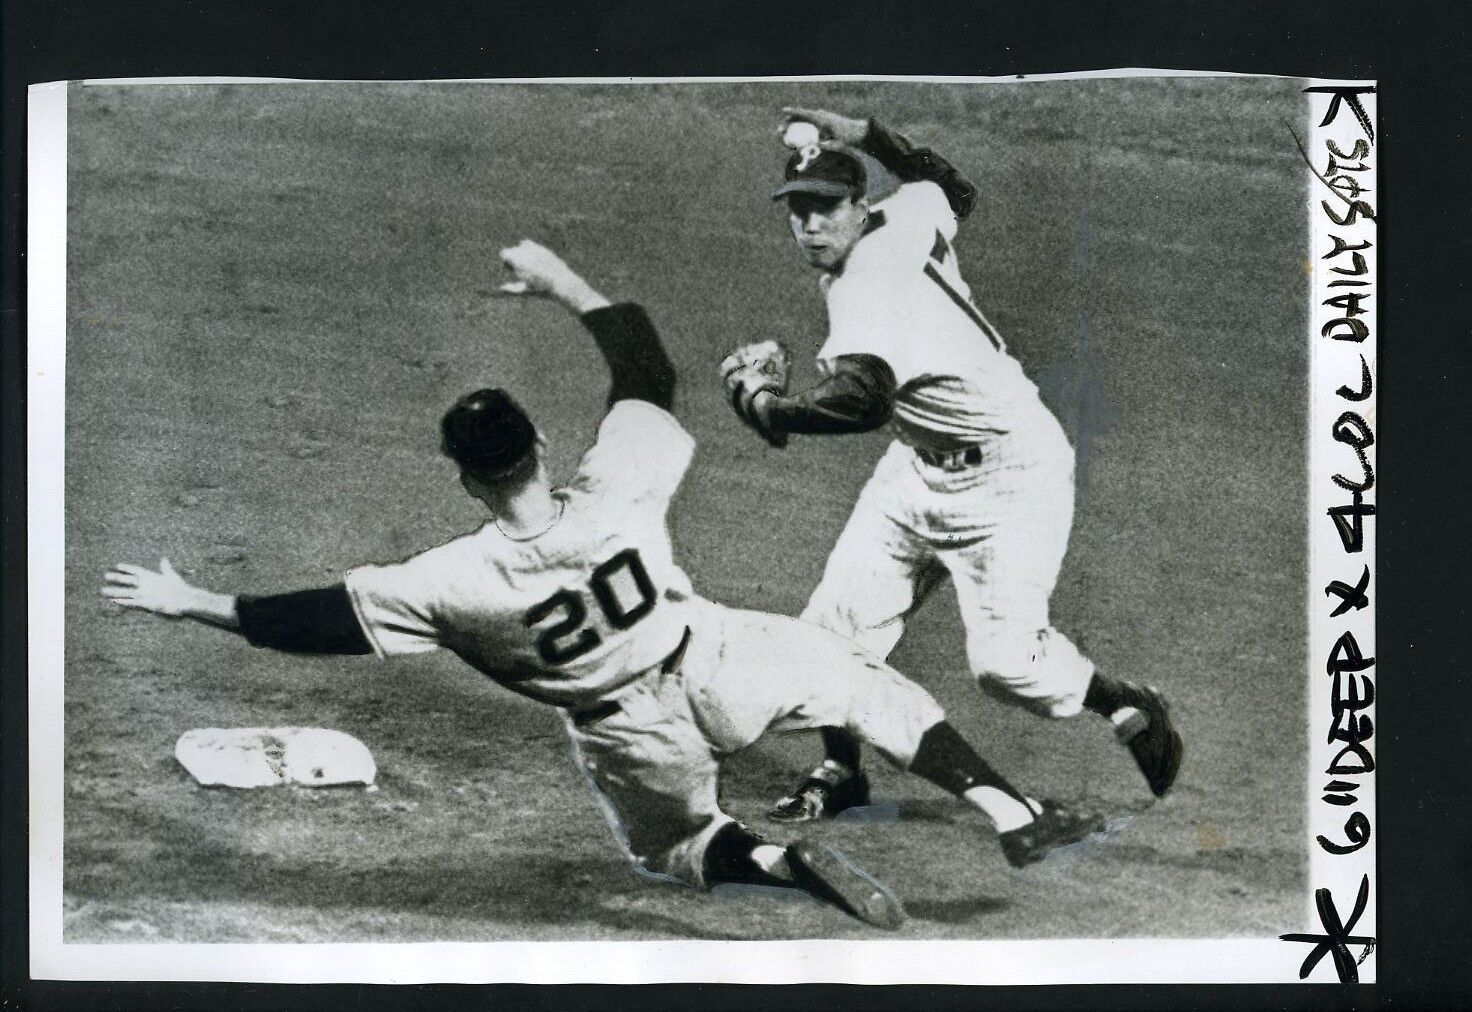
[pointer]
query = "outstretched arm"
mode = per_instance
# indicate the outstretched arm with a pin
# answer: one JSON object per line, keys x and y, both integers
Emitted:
{"x": 637, "y": 362}
{"x": 168, "y": 594}
{"x": 893, "y": 150}
{"x": 320, "y": 621}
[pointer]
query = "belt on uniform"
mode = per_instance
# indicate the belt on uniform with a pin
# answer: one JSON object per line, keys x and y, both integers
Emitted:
{"x": 950, "y": 460}
{"x": 607, "y": 708}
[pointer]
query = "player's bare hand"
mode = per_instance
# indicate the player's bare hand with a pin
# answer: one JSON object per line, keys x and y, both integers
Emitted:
{"x": 831, "y": 125}
{"x": 163, "y": 592}
{"x": 536, "y": 270}
{"x": 539, "y": 271}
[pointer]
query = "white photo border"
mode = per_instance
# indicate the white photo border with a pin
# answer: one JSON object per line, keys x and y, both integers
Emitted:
{"x": 1343, "y": 231}
{"x": 1337, "y": 941}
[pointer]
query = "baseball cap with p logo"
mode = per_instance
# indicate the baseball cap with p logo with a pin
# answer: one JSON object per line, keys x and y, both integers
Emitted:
{"x": 832, "y": 170}
{"x": 824, "y": 171}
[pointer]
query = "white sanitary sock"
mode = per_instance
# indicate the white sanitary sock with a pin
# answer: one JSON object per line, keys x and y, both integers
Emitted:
{"x": 1005, "y": 811}
{"x": 772, "y": 859}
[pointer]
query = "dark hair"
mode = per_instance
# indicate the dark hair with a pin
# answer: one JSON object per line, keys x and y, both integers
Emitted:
{"x": 487, "y": 434}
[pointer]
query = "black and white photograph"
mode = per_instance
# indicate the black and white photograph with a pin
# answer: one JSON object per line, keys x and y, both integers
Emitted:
{"x": 723, "y": 529}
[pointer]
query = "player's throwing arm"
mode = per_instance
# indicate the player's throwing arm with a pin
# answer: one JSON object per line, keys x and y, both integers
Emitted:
{"x": 978, "y": 484}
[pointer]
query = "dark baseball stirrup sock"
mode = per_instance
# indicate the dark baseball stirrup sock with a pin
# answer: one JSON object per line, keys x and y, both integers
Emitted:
{"x": 728, "y": 858}
{"x": 948, "y": 761}
{"x": 841, "y": 746}
{"x": 1107, "y": 696}
{"x": 945, "y": 759}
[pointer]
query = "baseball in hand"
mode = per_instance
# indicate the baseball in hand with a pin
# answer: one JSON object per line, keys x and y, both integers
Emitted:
{"x": 799, "y": 134}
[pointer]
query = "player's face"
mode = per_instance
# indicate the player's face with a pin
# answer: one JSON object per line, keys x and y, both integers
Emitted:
{"x": 825, "y": 228}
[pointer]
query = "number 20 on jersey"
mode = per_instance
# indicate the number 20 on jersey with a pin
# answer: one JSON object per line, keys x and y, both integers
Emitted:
{"x": 571, "y": 636}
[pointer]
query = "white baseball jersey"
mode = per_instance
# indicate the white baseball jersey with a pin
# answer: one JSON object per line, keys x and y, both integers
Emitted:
{"x": 900, "y": 296}
{"x": 999, "y": 528}
{"x": 588, "y": 610}
{"x": 572, "y": 614}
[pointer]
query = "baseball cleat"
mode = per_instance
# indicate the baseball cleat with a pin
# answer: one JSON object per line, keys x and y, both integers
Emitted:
{"x": 824, "y": 872}
{"x": 1055, "y": 826}
{"x": 1152, "y": 739}
{"x": 828, "y": 790}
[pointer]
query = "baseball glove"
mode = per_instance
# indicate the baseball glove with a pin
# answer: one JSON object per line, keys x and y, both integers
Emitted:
{"x": 748, "y": 371}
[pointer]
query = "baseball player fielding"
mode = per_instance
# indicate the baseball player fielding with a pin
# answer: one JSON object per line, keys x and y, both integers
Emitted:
{"x": 977, "y": 485}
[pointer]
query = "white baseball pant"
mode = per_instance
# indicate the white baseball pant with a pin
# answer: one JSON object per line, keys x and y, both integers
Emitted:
{"x": 655, "y": 762}
{"x": 999, "y": 529}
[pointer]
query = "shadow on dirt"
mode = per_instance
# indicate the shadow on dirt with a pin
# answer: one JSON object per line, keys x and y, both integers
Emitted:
{"x": 1266, "y": 868}
{"x": 500, "y": 887}
{"x": 956, "y": 911}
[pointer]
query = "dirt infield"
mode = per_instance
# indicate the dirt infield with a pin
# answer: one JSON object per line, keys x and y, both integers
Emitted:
{"x": 274, "y": 291}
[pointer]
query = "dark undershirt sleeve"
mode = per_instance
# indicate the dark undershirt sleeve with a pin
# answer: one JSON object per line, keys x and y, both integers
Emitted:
{"x": 637, "y": 362}
{"x": 911, "y": 164}
{"x": 304, "y": 622}
{"x": 858, "y": 396}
